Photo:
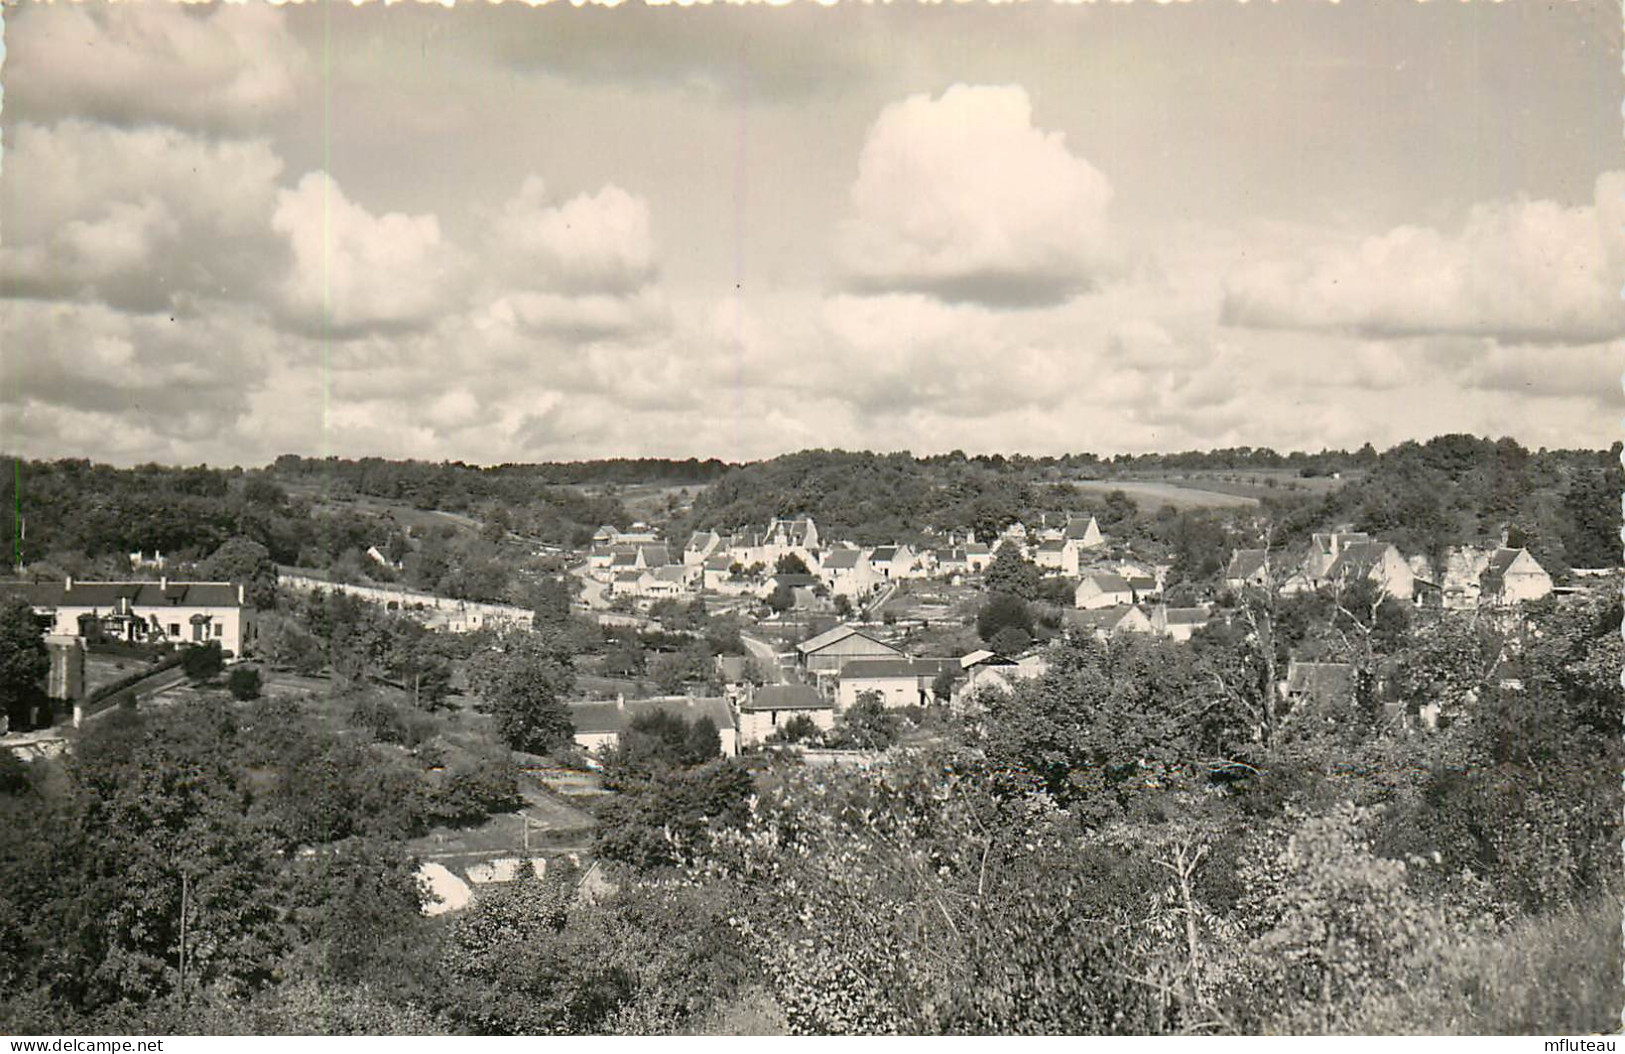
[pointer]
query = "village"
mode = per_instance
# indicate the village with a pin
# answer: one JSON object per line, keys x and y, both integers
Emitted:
{"x": 832, "y": 622}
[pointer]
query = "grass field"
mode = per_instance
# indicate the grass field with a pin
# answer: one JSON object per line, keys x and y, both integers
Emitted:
{"x": 1214, "y": 490}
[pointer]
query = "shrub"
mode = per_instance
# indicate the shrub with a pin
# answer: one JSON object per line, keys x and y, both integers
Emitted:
{"x": 202, "y": 662}
{"x": 244, "y": 682}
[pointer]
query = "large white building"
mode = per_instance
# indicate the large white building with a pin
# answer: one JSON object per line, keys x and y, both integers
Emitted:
{"x": 161, "y": 612}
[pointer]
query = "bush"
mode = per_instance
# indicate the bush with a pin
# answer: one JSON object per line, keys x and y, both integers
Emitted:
{"x": 202, "y": 662}
{"x": 244, "y": 682}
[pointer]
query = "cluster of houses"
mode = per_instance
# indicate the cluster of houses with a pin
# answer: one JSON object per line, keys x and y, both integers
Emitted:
{"x": 745, "y": 563}
{"x": 1469, "y": 577}
{"x": 837, "y": 668}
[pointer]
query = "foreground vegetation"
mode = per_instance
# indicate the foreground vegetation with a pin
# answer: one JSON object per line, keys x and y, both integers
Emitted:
{"x": 1122, "y": 845}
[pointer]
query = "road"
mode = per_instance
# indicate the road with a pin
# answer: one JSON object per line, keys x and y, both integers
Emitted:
{"x": 766, "y": 658}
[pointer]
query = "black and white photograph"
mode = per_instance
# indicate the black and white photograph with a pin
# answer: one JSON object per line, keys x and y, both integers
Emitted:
{"x": 811, "y": 519}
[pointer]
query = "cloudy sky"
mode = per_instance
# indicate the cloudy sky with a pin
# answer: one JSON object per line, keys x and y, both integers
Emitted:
{"x": 504, "y": 233}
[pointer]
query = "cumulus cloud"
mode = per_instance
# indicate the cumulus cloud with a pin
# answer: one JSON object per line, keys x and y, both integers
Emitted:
{"x": 185, "y": 379}
{"x": 591, "y": 243}
{"x": 579, "y": 269}
{"x": 355, "y": 271}
{"x": 1517, "y": 272}
{"x": 221, "y": 66}
{"x": 961, "y": 197}
{"x": 144, "y": 219}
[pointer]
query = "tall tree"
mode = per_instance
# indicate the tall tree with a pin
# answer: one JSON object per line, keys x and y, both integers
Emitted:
{"x": 23, "y": 661}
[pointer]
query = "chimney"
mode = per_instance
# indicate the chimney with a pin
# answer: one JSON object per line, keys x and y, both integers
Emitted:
{"x": 620, "y": 701}
{"x": 242, "y": 593}
{"x": 67, "y": 584}
{"x": 163, "y": 581}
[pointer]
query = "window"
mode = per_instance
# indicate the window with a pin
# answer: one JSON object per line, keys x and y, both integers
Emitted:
{"x": 174, "y": 629}
{"x": 219, "y": 630}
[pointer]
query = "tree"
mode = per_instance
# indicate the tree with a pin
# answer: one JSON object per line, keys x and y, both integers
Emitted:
{"x": 865, "y": 725}
{"x": 1004, "y": 611}
{"x": 553, "y": 597}
{"x": 782, "y": 599}
{"x": 1011, "y": 573}
{"x": 798, "y": 729}
{"x": 791, "y": 564}
{"x": 942, "y": 687}
{"x": 248, "y": 562}
{"x": 521, "y": 683}
{"x": 24, "y": 662}
{"x": 843, "y": 606}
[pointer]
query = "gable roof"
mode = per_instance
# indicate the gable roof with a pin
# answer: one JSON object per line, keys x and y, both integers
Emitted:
{"x": 1056, "y": 545}
{"x": 883, "y": 554}
{"x": 1185, "y": 616}
{"x": 835, "y": 636}
{"x": 1358, "y": 558}
{"x": 1079, "y": 528}
{"x": 1107, "y": 582}
{"x": 718, "y": 562}
{"x": 842, "y": 560}
{"x": 655, "y": 555}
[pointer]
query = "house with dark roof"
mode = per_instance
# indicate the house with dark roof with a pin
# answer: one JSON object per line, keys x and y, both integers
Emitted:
{"x": 849, "y": 573}
{"x": 701, "y": 544}
{"x": 764, "y": 710}
{"x": 1248, "y": 568}
{"x": 1514, "y": 576}
{"x": 599, "y": 725}
{"x": 1058, "y": 555}
{"x": 899, "y": 682}
{"x": 1084, "y": 532}
{"x": 1102, "y": 590}
{"x": 161, "y": 612}
{"x": 1106, "y": 623}
{"x": 1178, "y": 623}
{"x": 1378, "y": 562}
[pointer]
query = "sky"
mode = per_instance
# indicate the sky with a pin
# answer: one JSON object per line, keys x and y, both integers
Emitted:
{"x": 500, "y": 233}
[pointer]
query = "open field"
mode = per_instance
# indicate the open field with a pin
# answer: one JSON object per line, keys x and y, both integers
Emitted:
{"x": 1151, "y": 495}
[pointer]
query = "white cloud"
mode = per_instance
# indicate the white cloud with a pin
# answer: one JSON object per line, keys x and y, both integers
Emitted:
{"x": 149, "y": 219}
{"x": 357, "y": 271}
{"x": 597, "y": 243}
{"x": 225, "y": 66}
{"x": 962, "y": 197}
{"x": 1522, "y": 271}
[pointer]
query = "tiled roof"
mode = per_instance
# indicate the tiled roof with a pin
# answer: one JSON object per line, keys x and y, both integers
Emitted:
{"x": 1186, "y": 616}
{"x": 1055, "y": 546}
{"x": 842, "y": 560}
{"x": 883, "y": 554}
{"x": 1108, "y": 583}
